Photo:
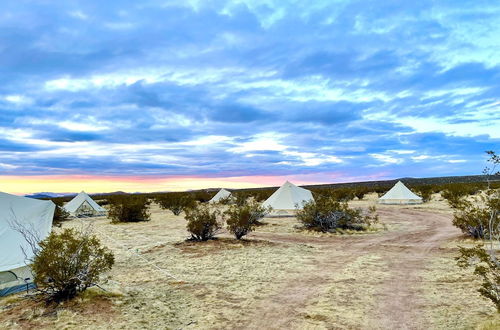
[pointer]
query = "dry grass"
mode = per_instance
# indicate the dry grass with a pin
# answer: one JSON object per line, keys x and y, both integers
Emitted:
{"x": 448, "y": 290}
{"x": 278, "y": 277}
{"x": 350, "y": 296}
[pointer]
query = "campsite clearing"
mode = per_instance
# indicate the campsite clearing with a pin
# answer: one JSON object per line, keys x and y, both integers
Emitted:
{"x": 280, "y": 277}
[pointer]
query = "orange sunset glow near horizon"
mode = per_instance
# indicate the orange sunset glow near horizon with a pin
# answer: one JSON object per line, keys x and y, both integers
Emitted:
{"x": 21, "y": 185}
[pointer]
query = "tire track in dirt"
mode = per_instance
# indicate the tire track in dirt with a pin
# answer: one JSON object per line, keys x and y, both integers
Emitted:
{"x": 417, "y": 240}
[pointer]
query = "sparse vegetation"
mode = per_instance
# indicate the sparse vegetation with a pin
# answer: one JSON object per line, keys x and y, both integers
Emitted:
{"x": 60, "y": 214}
{"x": 203, "y": 222}
{"x": 241, "y": 219}
{"x": 328, "y": 215}
{"x": 425, "y": 192}
{"x": 175, "y": 202}
{"x": 241, "y": 197}
{"x": 68, "y": 263}
{"x": 480, "y": 219}
{"x": 487, "y": 267}
{"x": 128, "y": 208}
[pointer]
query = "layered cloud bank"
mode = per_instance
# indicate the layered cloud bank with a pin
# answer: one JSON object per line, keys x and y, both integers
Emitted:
{"x": 159, "y": 91}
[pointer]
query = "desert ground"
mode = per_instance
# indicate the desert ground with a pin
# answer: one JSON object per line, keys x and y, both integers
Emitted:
{"x": 400, "y": 276}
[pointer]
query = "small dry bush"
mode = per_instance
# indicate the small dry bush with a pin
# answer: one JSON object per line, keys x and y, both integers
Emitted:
{"x": 175, "y": 202}
{"x": 424, "y": 191}
{"x": 242, "y": 219}
{"x": 60, "y": 214}
{"x": 241, "y": 197}
{"x": 328, "y": 215}
{"x": 477, "y": 218}
{"x": 262, "y": 194}
{"x": 201, "y": 196}
{"x": 480, "y": 219}
{"x": 203, "y": 223}
{"x": 487, "y": 267}
{"x": 128, "y": 208}
{"x": 226, "y": 200}
{"x": 360, "y": 192}
{"x": 68, "y": 263}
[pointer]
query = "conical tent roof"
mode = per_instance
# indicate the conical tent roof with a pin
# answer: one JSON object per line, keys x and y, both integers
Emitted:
{"x": 288, "y": 197}
{"x": 221, "y": 194}
{"x": 73, "y": 205}
{"x": 21, "y": 212}
{"x": 400, "y": 194}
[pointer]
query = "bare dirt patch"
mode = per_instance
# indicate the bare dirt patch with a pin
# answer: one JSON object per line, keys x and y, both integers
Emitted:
{"x": 31, "y": 312}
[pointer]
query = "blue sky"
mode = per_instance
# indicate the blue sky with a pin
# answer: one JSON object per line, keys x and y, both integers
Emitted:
{"x": 320, "y": 91}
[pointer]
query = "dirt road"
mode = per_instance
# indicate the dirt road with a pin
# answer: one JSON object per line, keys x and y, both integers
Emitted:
{"x": 405, "y": 251}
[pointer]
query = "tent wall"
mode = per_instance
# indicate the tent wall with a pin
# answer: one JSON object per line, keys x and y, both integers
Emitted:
{"x": 16, "y": 280}
{"x": 288, "y": 197}
{"x": 29, "y": 214}
{"x": 221, "y": 195}
{"x": 399, "y": 201}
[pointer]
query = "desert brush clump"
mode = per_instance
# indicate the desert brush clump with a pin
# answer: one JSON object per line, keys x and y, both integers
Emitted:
{"x": 60, "y": 214}
{"x": 242, "y": 219}
{"x": 203, "y": 222}
{"x": 360, "y": 192}
{"x": 175, "y": 202}
{"x": 68, "y": 262}
{"x": 327, "y": 215}
{"x": 486, "y": 266}
{"x": 479, "y": 218}
{"x": 128, "y": 208}
{"x": 424, "y": 191}
{"x": 201, "y": 196}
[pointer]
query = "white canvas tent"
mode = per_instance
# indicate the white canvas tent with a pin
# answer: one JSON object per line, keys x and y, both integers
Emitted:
{"x": 29, "y": 214}
{"x": 399, "y": 194}
{"x": 221, "y": 195}
{"x": 83, "y": 205}
{"x": 288, "y": 197}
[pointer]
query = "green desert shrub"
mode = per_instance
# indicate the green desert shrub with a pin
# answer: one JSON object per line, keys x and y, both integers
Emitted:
{"x": 203, "y": 222}
{"x": 262, "y": 194}
{"x": 479, "y": 218}
{"x": 360, "y": 192}
{"x": 454, "y": 194}
{"x": 202, "y": 196}
{"x": 128, "y": 208}
{"x": 227, "y": 200}
{"x": 487, "y": 266}
{"x": 60, "y": 214}
{"x": 242, "y": 219}
{"x": 175, "y": 202}
{"x": 102, "y": 202}
{"x": 241, "y": 197}
{"x": 68, "y": 262}
{"x": 328, "y": 215}
{"x": 425, "y": 192}
{"x": 343, "y": 194}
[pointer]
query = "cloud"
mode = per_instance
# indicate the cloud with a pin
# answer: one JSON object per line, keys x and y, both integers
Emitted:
{"x": 248, "y": 88}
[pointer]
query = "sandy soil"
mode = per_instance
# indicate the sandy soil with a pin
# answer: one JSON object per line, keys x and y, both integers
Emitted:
{"x": 400, "y": 277}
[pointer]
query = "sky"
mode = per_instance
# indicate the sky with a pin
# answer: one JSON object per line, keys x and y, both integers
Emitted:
{"x": 174, "y": 95}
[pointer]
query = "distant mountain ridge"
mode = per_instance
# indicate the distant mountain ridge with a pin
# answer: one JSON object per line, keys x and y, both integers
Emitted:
{"x": 45, "y": 195}
{"x": 49, "y": 195}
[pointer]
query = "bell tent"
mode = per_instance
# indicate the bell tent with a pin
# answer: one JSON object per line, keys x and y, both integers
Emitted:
{"x": 25, "y": 214}
{"x": 221, "y": 195}
{"x": 288, "y": 197}
{"x": 399, "y": 194}
{"x": 83, "y": 205}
